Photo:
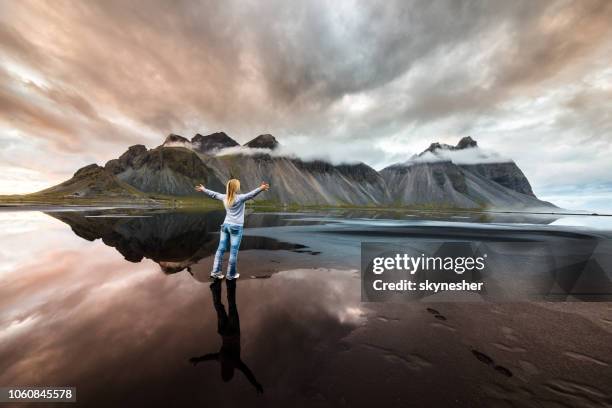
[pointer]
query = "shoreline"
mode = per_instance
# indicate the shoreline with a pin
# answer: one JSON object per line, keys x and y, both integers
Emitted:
{"x": 178, "y": 204}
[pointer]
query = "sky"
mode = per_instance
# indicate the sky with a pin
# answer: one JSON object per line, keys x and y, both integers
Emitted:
{"x": 345, "y": 80}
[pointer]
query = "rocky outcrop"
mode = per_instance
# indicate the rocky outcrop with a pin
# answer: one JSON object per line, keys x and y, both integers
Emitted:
{"x": 212, "y": 143}
{"x": 91, "y": 181}
{"x": 266, "y": 141}
{"x": 131, "y": 158}
{"x": 439, "y": 183}
{"x": 466, "y": 143}
{"x": 164, "y": 170}
{"x": 503, "y": 171}
{"x": 438, "y": 179}
{"x": 174, "y": 140}
{"x": 446, "y": 184}
{"x": 507, "y": 174}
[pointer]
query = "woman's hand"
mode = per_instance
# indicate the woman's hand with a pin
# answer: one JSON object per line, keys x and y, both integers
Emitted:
{"x": 264, "y": 186}
{"x": 199, "y": 187}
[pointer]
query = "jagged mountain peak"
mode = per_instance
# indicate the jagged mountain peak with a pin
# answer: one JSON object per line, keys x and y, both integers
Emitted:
{"x": 212, "y": 142}
{"x": 437, "y": 146}
{"x": 173, "y": 139}
{"x": 266, "y": 141}
{"x": 466, "y": 151}
{"x": 89, "y": 170}
{"x": 133, "y": 156}
{"x": 137, "y": 149}
{"x": 464, "y": 143}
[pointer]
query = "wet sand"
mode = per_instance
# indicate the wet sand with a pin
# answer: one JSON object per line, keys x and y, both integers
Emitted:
{"x": 78, "y": 313}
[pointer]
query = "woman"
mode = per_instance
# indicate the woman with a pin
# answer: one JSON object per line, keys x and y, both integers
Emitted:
{"x": 232, "y": 225}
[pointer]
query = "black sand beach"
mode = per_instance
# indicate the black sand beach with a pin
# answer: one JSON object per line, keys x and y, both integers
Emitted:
{"x": 116, "y": 303}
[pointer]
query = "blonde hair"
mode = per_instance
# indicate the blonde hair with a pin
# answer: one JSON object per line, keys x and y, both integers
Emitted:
{"x": 232, "y": 187}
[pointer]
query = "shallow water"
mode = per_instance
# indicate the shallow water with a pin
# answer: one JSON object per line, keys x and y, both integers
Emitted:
{"x": 117, "y": 302}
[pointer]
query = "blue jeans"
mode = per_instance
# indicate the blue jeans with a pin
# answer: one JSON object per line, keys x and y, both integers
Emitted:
{"x": 233, "y": 233}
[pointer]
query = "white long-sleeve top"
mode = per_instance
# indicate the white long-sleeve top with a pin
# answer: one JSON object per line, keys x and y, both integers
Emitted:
{"x": 235, "y": 214}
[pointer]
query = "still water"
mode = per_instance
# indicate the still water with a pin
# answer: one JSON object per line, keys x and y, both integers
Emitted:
{"x": 118, "y": 303}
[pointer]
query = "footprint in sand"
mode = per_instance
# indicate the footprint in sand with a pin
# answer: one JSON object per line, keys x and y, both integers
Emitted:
{"x": 436, "y": 314}
{"x": 503, "y": 370}
{"x": 482, "y": 357}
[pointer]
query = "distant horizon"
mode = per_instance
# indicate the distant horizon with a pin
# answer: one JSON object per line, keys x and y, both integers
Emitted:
{"x": 375, "y": 83}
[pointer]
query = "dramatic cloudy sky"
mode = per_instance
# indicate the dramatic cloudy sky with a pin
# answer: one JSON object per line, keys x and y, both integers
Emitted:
{"x": 80, "y": 81}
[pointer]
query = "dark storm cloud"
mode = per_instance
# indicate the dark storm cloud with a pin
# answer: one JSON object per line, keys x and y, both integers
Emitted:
{"x": 98, "y": 76}
{"x": 163, "y": 62}
{"x": 545, "y": 43}
{"x": 314, "y": 50}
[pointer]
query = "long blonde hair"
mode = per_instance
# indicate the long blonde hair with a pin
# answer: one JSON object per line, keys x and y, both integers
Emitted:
{"x": 232, "y": 187}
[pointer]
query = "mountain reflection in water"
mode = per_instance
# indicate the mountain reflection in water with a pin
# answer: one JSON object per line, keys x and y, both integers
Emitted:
{"x": 178, "y": 240}
{"x": 522, "y": 244}
{"x": 174, "y": 240}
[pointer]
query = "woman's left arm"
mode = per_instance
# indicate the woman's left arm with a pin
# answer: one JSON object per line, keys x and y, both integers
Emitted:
{"x": 251, "y": 194}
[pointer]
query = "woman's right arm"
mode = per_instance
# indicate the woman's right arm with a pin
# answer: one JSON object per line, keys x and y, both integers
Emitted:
{"x": 210, "y": 193}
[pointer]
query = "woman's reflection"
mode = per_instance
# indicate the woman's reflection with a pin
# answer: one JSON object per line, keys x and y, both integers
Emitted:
{"x": 229, "y": 329}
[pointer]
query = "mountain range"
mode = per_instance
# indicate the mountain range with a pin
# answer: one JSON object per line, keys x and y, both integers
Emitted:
{"x": 443, "y": 175}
